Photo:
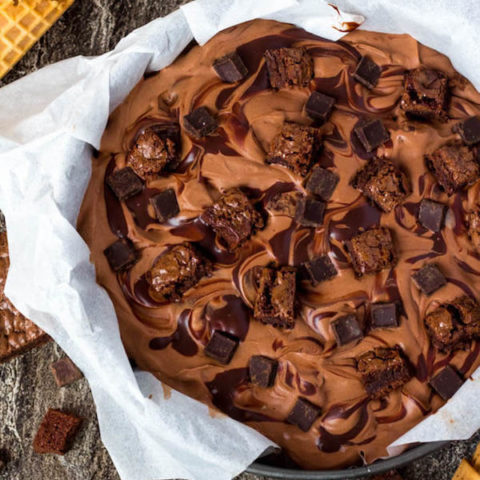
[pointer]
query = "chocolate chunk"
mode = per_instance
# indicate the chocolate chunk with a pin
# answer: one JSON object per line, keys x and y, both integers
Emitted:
{"x": 221, "y": 347}
{"x": 320, "y": 269}
{"x": 431, "y": 214}
{"x": 262, "y": 370}
{"x": 304, "y": 414}
{"x": 165, "y": 205}
{"x": 275, "y": 301}
{"x": 65, "y": 372}
{"x": 367, "y": 72}
{"x": 443, "y": 329}
{"x": 230, "y": 68}
{"x": 322, "y": 182}
{"x": 429, "y": 278}
{"x": 447, "y": 382}
{"x": 346, "y": 329}
{"x": 288, "y": 67}
{"x": 124, "y": 183}
{"x": 233, "y": 218}
{"x": 200, "y": 123}
{"x": 284, "y": 203}
{"x": 469, "y": 130}
{"x": 371, "y": 133}
{"x": 372, "y": 251}
{"x": 121, "y": 255}
{"x": 425, "y": 94}
{"x": 294, "y": 147}
{"x": 319, "y": 106}
{"x": 176, "y": 271}
{"x": 310, "y": 212}
{"x": 384, "y": 315}
{"x": 383, "y": 370}
{"x": 454, "y": 166}
{"x": 473, "y": 222}
{"x": 382, "y": 182}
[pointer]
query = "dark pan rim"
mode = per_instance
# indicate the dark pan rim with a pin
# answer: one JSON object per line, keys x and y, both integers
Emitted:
{"x": 381, "y": 466}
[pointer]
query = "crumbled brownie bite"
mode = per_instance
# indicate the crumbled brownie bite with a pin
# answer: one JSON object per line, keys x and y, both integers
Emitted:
{"x": 320, "y": 269}
{"x": 443, "y": 329}
{"x": 429, "y": 278}
{"x": 284, "y": 203}
{"x": 384, "y": 315}
{"x": 124, "y": 183}
{"x": 319, "y": 106}
{"x": 294, "y": 147}
{"x": 233, "y": 218}
{"x": 262, "y": 370}
{"x": 469, "y": 130}
{"x": 310, "y": 212}
{"x": 367, "y": 72}
{"x": 371, "y": 133}
{"x": 275, "y": 301}
{"x": 447, "y": 382}
{"x": 383, "y": 183}
{"x": 383, "y": 370}
{"x": 304, "y": 414}
{"x": 425, "y": 94}
{"x": 372, "y": 251}
{"x": 121, "y": 255}
{"x": 346, "y": 329}
{"x": 175, "y": 271}
{"x": 289, "y": 67}
{"x": 230, "y": 68}
{"x": 454, "y": 167}
{"x": 151, "y": 154}
{"x": 200, "y": 123}
{"x": 221, "y": 347}
{"x": 473, "y": 222}
{"x": 165, "y": 205}
{"x": 322, "y": 182}
{"x": 431, "y": 214}
{"x": 468, "y": 313}
{"x": 65, "y": 372}
{"x": 56, "y": 432}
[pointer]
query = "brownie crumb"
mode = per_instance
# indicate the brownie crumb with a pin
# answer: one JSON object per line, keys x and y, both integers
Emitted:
{"x": 289, "y": 67}
{"x": 65, "y": 372}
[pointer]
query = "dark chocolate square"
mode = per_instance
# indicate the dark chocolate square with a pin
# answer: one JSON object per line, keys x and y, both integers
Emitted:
{"x": 304, "y": 414}
{"x": 346, "y": 329}
{"x": 384, "y": 315}
{"x": 367, "y": 72}
{"x": 322, "y": 182}
{"x": 121, "y": 255}
{"x": 200, "y": 123}
{"x": 320, "y": 269}
{"x": 310, "y": 212}
{"x": 447, "y": 382}
{"x": 469, "y": 130}
{"x": 124, "y": 183}
{"x": 319, "y": 106}
{"x": 165, "y": 205}
{"x": 429, "y": 278}
{"x": 372, "y": 133}
{"x": 230, "y": 68}
{"x": 221, "y": 347}
{"x": 262, "y": 370}
{"x": 431, "y": 214}
{"x": 288, "y": 67}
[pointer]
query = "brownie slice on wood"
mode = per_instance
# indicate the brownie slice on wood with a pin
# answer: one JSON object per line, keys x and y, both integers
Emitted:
{"x": 289, "y": 67}
{"x": 65, "y": 372}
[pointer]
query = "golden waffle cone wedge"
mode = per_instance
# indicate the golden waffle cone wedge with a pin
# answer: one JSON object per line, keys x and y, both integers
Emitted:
{"x": 465, "y": 471}
{"x": 476, "y": 458}
{"x": 22, "y": 23}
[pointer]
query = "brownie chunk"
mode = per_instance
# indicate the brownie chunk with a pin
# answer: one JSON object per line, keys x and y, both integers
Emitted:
{"x": 371, "y": 133}
{"x": 431, "y": 214}
{"x": 230, "y": 68}
{"x": 384, "y": 315}
{"x": 65, "y": 372}
{"x": 468, "y": 313}
{"x": 383, "y": 370}
{"x": 124, "y": 183}
{"x": 447, "y": 382}
{"x": 165, "y": 205}
{"x": 233, "y": 218}
{"x": 383, "y": 183}
{"x": 322, "y": 182}
{"x": 151, "y": 154}
{"x": 372, "y": 251}
{"x": 175, "y": 271}
{"x": 473, "y": 221}
{"x": 367, "y": 72}
{"x": 310, "y": 212}
{"x": 275, "y": 301}
{"x": 469, "y": 130}
{"x": 429, "y": 278}
{"x": 284, "y": 203}
{"x": 454, "y": 167}
{"x": 56, "y": 432}
{"x": 304, "y": 414}
{"x": 294, "y": 147}
{"x": 200, "y": 123}
{"x": 425, "y": 94}
{"x": 319, "y": 106}
{"x": 121, "y": 255}
{"x": 346, "y": 329}
{"x": 320, "y": 269}
{"x": 221, "y": 347}
{"x": 289, "y": 67}
{"x": 262, "y": 370}
{"x": 443, "y": 329}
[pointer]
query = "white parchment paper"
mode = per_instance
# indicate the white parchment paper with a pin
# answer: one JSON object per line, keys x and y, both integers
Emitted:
{"x": 49, "y": 121}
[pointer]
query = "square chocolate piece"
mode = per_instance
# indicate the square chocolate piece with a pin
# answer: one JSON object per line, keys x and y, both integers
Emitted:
{"x": 230, "y": 68}
{"x": 200, "y": 123}
{"x": 322, "y": 182}
{"x": 383, "y": 183}
{"x": 367, "y": 72}
{"x": 320, "y": 269}
{"x": 425, "y": 94}
{"x": 294, "y": 147}
{"x": 275, "y": 301}
{"x": 233, "y": 218}
{"x": 65, "y": 372}
{"x": 384, "y": 315}
{"x": 372, "y": 251}
{"x": 371, "y": 133}
{"x": 454, "y": 166}
{"x": 469, "y": 130}
{"x": 383, "y": 370}
{"x": 165, "y": 205}
{"x": 289, "y": 67}
{"x": 262, "y": 370}
{"x": 431, "y": 214}
{"x": 121, "y": 255}
{"x": 429, "y": 278}
{"x": 310, "y": 212}
{"x": 124, "y": 183}
{"x": 221, "y": 347}
{"x": 443, "y": 329}
{"x": 346, "y": 329}
{"x": 319, "y": 106}
{"x": 304, "y": 414}
{"x": 447, "y": 382}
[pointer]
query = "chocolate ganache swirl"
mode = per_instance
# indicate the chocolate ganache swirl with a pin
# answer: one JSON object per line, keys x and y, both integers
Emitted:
{"x": 168, "y": 339}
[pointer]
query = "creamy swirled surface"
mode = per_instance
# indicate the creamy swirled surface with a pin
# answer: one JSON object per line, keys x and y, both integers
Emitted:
{"x": 168, "y": 339}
